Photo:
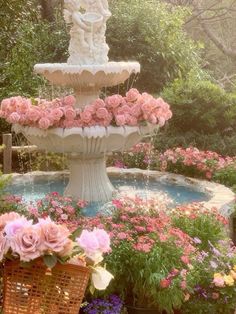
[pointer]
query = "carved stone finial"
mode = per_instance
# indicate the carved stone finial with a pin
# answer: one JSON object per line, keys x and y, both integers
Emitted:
{"x": 87, "y": 34}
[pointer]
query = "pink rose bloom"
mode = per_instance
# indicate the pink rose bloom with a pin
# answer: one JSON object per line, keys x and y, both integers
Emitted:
{"x": 131, "y": 120}
{"x": 33, "y": 115}
{"x": 68, "y": 124}
{"x": 88, "y": 242}
{"x": 4, "y": 245}
{"x": 98, "y": 103}
{"x": 152, "y": 119}
{"x": 125, "y": 109}
{"x": 69, "y": 100}
{"x": 114, "y": 101}
{"x": 27, "y": 243}
{"x": 69, "y": 113}
{"x": 132, "y": 95}
{"x": 161, "y": 121}
{"x": 86, "y": 116}
{"x": 102, "y": 113}
{"x": 44, "y": 123}
{"x": 3, "y": 114}
{"x": 14, "y": 226}
{"x": 14, "y": 117}
{"x": 185, "y": 259}
{"x": 147, "y": 108}
{"x": 120, "y": 120}
{"x": 5, "y": 218}
{"x": 55, "y": 237}
{"x": 136, "y": 111}
{"x": 23, "y": 105}
{"x": 103, "y": 240}
{"x": 5, "y": 104}
{"x": 56, "y": 114}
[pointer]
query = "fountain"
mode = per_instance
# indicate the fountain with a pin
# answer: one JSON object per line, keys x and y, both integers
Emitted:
{"x": 87, "y": 71}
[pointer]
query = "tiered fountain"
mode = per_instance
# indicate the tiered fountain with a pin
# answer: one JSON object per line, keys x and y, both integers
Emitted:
{"x": 87, "y": 71}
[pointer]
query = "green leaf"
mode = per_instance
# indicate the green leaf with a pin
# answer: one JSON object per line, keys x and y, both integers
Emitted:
{"x": 50, "y": 260}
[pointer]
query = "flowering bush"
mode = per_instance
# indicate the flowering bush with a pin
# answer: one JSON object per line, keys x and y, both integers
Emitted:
{"x": 27, "y": 241}
{"x": 110, "y": 305}
{"x": 192, "y": 162}
{"x": 133, "y": 109}
{"x": 142, "y": 155}
{"x": 58, "y": 207}
{"x": 202, "y": 224}
{"x": 214, "y": 280}
{"x": 149, "y": 257}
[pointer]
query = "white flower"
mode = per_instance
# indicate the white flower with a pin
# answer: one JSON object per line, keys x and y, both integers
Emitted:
{"x": 101, "y": 278}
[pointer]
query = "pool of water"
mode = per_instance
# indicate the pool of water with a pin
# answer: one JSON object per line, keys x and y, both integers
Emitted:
{"x": 143, "y": 188}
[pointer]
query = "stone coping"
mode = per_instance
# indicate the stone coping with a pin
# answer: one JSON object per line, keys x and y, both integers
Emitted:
{"x": 221, "y": 197}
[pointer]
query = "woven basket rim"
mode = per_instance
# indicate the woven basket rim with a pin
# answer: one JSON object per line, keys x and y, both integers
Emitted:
{"x": 40, "y": 262}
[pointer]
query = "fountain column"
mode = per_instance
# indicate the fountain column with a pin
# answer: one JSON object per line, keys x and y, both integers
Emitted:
{"x": 88, "y": 178}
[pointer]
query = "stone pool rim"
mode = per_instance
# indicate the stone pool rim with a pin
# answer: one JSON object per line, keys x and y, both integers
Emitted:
{"x": 221, "y": 197}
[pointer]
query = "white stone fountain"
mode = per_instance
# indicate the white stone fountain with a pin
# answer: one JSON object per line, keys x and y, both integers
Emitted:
{"x": 87, "y": 71}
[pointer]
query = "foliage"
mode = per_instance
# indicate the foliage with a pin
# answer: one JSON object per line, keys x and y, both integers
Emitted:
{"x": 200, "y": 106}
{"x": 214, "y": 276}
{"x": 226, "y": 176}
{"x": 147, "y": 253}
{"x": 37, "y": 41}
{"x": 12, "y": 203}
{"x": 41, "y": 161}
{"x": 201, "y": 224}
{"x": 152, "y": 33}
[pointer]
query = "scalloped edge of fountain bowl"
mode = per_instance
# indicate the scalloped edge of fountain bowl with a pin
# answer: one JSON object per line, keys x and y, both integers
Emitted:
{"x": 221, "y": 197}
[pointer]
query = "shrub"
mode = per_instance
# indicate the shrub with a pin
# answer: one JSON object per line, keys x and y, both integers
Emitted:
{"x": 200, "y": 106}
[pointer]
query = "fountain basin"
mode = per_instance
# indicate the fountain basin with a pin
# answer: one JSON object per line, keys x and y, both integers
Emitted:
{"x": 132, "y": 182}
{"x": 87, "y": 77}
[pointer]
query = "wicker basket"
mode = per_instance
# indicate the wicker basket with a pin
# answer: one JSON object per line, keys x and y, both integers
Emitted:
{"x": 38, "y": 290}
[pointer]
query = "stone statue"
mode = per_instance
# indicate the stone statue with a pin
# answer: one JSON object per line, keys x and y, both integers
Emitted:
{"x": 87, "y": 35}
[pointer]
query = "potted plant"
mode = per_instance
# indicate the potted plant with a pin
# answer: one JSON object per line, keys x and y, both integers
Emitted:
{"x": 45, "y": 268}
{"x": 150, "y": 257}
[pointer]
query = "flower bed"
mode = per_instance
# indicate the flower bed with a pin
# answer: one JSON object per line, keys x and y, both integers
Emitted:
{"x": 132, "y": 110}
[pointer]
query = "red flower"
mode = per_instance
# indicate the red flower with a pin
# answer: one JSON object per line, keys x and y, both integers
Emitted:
{"x": 165, "y": 283}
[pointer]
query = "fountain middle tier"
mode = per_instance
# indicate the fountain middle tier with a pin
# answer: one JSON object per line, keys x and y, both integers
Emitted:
{"x": 86, "y": 149}
{"x": 87, "y": 80}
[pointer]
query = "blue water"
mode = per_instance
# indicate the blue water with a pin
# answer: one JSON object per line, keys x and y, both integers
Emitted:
{"x": 179, "y": 194}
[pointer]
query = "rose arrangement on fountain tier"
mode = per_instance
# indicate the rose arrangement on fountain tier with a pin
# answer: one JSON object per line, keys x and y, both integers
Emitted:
{"x": 132, "y": 110}
{"x": 23, "y": 240}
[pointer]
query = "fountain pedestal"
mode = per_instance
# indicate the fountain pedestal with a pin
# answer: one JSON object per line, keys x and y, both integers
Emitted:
{"x": 88, "y": 178}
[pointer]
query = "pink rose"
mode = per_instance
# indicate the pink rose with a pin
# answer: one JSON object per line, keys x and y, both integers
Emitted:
{"x": 56, "y": 114}
{"x": 5, "y": 104}
{"x": 44, "y": 123}
{"x": 152, "y": 119}
{"x": 55, "y": 237}
{"x": 102, "y": 113}
{"x": 136, "y": 111}
{"x": 5, "y": 218}
{"x": 14, "y": 118}
{"x": 69, "y": 100}
{"x": 70, "y": 113}
{"x": 114, "y": 101}
{"x": 23, "y": 105}
{"x": 219, "y": 282}
{"x": 14, "y": 226}
{"x": 132, "y": 95}
{"x": 68, "y": 124}
{"x": 98, "y": 103}
{"x": 33, "y": 115}
{"x": 88, "y": 242}
{"x": 86, "y": 116}
{"x": 27, "y": 243}
{"x": 120, "y": 120}
{"x": 103, "y": 240}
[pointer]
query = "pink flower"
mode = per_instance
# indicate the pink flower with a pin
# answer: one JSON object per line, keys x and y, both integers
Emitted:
{"x": 88, "y": 241}
{"x": 102, "y": 113}
{"x": 183, "y": 285}
{"x": 69, "y": 100}
{"x": 219, "y": 282}
{"x": 120, "y": 120}
{"x": 44, "y": 123}
{"x": 56, "y": 114}
{"x": 33, "y": 114}
{"x": 215, "y": 295}
{"x": 165, "y": 283}
{"x": 98, "y": 103}
{"x": 69, "y": 112}
{"x": 113, "y": 101}
{"x": 86, "y": 116}
{"x": 5, "y": 218}
{"x": 14, "y": 118}
{"x": 132, "y": 95}
{"x": 27, "y": 243}
{"x": 103, "y": 240}
{"x": 14, "y": 226}
{"x": 55, "y": 237}
{"x": 185, "y": 259}
{"x": 122, "y": 236}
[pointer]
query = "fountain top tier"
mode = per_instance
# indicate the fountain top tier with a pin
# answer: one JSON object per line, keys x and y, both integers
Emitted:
{"x": 87, "y": 69}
